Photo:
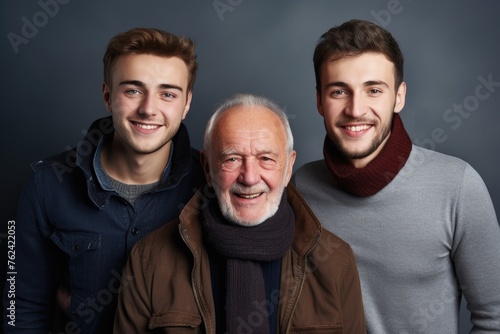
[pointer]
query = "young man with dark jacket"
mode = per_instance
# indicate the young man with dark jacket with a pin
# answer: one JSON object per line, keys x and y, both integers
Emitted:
{"x": 82, "y": 210}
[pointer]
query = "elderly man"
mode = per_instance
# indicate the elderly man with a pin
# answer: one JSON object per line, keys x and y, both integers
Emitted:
{"x": 246, "y": 254}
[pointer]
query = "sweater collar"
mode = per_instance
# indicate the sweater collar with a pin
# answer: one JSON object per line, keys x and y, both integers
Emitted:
{"x": 88, "y": 149}
{"x": 379, "y": 172}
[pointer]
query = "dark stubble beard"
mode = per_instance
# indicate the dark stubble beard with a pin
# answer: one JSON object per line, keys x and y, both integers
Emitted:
{"x": 375, "y": 144}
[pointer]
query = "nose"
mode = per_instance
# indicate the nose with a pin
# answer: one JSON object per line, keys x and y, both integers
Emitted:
{"x": 356, "y": 106}
{"x": 147, "y": 107}
{"x": 249, "y": 172}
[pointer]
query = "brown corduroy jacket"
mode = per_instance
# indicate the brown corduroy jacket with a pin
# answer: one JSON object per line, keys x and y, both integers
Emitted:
{"x": 167, "y": 283}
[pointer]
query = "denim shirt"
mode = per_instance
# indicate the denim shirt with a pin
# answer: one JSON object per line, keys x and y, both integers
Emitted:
{"x": 74, "y": 231}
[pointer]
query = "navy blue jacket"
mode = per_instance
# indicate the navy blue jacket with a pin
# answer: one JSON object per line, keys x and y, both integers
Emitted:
{"x": 74, "y": 230}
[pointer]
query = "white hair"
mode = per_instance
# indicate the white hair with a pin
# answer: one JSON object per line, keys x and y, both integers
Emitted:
{"x": 247, "y": 100}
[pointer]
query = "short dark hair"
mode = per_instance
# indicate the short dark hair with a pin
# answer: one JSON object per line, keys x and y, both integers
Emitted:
{"x": 151, "y": 41}
{"x": 353, "y": 38}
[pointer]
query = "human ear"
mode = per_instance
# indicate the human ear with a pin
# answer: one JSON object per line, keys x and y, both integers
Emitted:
{"x": 319, "y": 105}
{"x": 106, "y": 96}
{"x": 400, "y": 97}
{"x": 291, "y": 162}
{"x": 206, "y": 167}
{"x": 188, "y": 104}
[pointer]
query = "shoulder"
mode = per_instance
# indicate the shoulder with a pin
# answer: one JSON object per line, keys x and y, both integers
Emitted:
{"x": 332, "y": 256}
{"x": 314, "y": 170}
{"x": 314, "y": 179}
{"x": 159, "y": 250}
{"x": 163, "y": 260}
{"x": 329, "y": 249}
{"x": 59, "y": 169}
{"x": 311, "y": 167}
{"x": 157, "y": 245}
{"x": 66, "y": 158}
{"x": 432, "y": 159}
{"x": 442, "y": 166}
{"x": 334, "y": 246}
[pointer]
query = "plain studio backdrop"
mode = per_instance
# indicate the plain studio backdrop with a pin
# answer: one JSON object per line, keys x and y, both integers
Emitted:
{"x": 51, "y": 71}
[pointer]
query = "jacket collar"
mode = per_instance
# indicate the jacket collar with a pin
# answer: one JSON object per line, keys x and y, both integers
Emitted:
{"x": 90, "y": 147}
{"x": 307, "y": 226}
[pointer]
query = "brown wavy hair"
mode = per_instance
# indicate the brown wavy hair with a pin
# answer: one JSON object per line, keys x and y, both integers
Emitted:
{"x": 151, "y": 41}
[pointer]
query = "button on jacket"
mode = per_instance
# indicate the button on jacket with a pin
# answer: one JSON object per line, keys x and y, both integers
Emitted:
{"x": 167, "y": 280}
{"x": 75, "y": 231}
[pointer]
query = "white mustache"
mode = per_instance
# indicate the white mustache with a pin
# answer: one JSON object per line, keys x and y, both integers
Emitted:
{"x": 240, "y": 189}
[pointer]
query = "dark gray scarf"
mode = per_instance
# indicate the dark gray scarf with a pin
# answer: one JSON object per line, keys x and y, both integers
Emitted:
{"x": 245, "y": 248}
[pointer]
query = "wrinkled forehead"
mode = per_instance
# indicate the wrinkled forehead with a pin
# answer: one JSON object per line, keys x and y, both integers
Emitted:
{"x": 249, "y": 119}
{"x": 256, "y": 125}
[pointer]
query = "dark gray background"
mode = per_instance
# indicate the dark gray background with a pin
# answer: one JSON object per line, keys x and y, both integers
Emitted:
{"x": 51, "y": 87}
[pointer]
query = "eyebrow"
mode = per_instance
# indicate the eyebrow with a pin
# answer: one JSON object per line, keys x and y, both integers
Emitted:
{"x": 141, "y": 84}
{"x": 336, "y": 84}
{"x": 375, "y": 83}
{"x": 235, "y": 152}
{"x": 365, "y": 84}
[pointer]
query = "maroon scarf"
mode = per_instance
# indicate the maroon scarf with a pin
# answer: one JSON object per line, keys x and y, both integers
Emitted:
{"x": 379, "y": 172}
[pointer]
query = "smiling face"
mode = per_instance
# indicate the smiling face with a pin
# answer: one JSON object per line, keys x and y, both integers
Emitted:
{"x": 148, "y": 99}
{"x": 248, "y": 164}
{"x": 358, "y": 100}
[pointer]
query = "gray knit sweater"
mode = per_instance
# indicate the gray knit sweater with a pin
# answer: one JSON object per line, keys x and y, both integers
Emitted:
{"x": 428, "y": 237}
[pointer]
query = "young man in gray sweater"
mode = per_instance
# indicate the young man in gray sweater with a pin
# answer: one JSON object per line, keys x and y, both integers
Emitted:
{"x": 421, "y": 224}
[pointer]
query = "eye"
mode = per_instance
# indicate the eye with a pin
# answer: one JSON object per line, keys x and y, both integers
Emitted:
{"x": 133, "y": 92}
{"x": 374, "y": 91}
{"x": 231, "y": 163}
{"x": 338, "y": 93}
{"x": 267, "y": 162}
{"x": 169, "y": 95}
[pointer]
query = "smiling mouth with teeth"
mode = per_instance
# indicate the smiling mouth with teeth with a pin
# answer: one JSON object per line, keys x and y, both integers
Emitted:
{"x": 249, "y": 196}
{"x": 146, "y": 126}
{"x": 358, "y": 128}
